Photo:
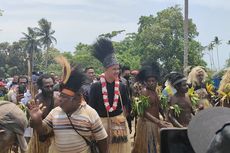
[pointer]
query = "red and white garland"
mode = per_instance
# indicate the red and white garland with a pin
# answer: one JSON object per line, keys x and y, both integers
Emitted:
{"x": 105, "y": 94}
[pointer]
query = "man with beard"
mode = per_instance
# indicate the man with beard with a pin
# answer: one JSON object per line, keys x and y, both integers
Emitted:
{"x": 45, "y": 83}
{"x": 40, "y": 144}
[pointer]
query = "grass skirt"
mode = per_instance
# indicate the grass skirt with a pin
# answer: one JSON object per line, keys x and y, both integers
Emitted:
{"x": 147, "y": 137}
{"x": 35, "y": 146}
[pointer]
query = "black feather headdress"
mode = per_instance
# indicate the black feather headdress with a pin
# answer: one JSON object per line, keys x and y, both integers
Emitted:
{"x": 103, "y": 50}
{"x": 72, "y": 80}
{"x": 148, "y": 70}
{"x": 75, "y": 81}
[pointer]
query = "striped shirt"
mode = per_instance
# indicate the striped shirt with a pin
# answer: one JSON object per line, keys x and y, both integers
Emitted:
{"x": 85, "y": 120}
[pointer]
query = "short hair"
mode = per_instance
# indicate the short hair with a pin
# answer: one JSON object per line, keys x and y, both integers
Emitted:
{"x": 40, "y": 80}
{"x": 124, "y": 68}
{"x": 87, "y": 68}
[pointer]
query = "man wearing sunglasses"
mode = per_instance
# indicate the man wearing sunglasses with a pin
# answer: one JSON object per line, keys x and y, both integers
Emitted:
{"x": 73, "y": 121}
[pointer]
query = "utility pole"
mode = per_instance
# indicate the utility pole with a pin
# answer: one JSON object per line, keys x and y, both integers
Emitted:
{"x": 185, "y": 34}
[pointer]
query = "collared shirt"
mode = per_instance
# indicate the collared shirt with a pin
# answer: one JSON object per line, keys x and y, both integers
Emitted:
{"x": 85, "y": 120}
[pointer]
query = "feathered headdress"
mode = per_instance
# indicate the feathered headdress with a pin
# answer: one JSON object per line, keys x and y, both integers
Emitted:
{"x": 148, "y": 70}
{"x": 192, "y": 77}
{"x": 103, "y": 50}
{"x": 66, "y": 69}
{"x": 72, "y": 80}
{"x": 176, "y": 78}
{"x": 225, "y": 80}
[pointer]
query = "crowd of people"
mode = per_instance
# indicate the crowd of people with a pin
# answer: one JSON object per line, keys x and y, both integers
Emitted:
{"x": 80, "y": 112}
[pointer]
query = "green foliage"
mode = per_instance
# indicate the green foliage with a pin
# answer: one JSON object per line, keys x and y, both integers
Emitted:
{"x": 164, "y": 101}
{"x": 1, "y": 11}
{"x": 112, "y": 34}
{"x": 12, "y": 59}
{"x": 176, "y": 109}
{"x": 228, "y": 63}
{"x": 82, "y": 56}
{"x": 160, "y": 39}
{"x": 140, "y": 105}
{"x": 52, "y": 65}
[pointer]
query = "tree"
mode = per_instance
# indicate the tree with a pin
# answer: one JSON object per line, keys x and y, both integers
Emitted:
{"x": 228, "y": 43}
{"x": 46, "y": 38}
{"x": 31, "y": 46}
{"x": 112, "y": 34}
{"x": 161, "y": 39}
{"x": 228, "y": 63}
{"x": 12, "y": 59}
{"x": 217, "y": 42}
{"x": 1, "y": 14}
{"x": 210, "y": 49}
{"x": 83, "y": 57}
{"x": 6, "y": 71}
{"x": 125, "y": 52}
{"x": 1, "y": 11}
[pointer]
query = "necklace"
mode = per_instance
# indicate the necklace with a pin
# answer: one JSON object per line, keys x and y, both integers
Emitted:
{"x": 105, "y": 94}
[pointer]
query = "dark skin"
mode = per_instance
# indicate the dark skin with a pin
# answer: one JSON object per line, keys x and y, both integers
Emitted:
{"x": 69, "y": 105}
{"x": 46, "y": 96}
{"x": 152, "y": 113}
{"x": 183, "y": 101}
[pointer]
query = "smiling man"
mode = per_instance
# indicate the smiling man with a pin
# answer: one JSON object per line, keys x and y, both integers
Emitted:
{"x": 109, "y": 98}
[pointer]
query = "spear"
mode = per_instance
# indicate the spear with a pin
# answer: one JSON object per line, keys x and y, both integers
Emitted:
{"x": 30, "y": 68}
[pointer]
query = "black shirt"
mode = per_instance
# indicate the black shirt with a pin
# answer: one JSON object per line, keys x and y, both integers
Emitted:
{"x": 96, "y": 99}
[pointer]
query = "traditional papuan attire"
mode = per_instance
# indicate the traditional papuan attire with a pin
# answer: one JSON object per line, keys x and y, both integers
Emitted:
{"x": 199, "y": 87}
{"x": 224, "y": 90}
{"x": 110, "y": 100}
{"x": 147, "y": 132}
{"x": 184, "y": 116}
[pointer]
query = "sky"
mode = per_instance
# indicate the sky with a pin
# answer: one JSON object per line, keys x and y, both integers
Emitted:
{"x": 82, "y": 21}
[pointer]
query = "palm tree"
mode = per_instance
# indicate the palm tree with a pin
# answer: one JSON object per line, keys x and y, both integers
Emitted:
{"x": 31, "y": 46}
{"x": 1, "y": 12}
{"x": 46, "y": 38}
{"x": 210, "y": 49}
{"x": 8, "y": 71}
{"x": 217, "y": 42}
{"x": 229, "y": 52}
